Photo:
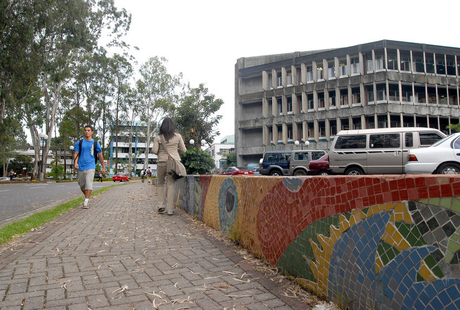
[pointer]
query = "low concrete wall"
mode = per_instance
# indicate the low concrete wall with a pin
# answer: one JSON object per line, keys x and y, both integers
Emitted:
{"x": 379, "y": 241}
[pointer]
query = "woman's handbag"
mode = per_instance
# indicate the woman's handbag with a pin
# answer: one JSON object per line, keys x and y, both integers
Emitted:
{"x": 174, "y": 167}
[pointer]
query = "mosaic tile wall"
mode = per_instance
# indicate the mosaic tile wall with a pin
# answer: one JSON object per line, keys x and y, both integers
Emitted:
{"x": 379, "y": 241}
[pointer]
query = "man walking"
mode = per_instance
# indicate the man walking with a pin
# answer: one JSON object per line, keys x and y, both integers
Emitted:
{"x": 84, "y": 159}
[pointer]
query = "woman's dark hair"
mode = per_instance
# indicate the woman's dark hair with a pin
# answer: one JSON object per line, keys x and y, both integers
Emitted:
{"x": 167, "y": 129}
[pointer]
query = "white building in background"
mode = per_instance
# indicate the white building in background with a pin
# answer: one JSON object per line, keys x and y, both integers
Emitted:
{"x": 138, "y": 147}
{"x": 218, "y": 150}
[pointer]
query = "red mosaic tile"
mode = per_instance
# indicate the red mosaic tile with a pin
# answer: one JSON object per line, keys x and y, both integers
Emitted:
{"x": 434, "y": 191}
{"x": 446, "y": 190}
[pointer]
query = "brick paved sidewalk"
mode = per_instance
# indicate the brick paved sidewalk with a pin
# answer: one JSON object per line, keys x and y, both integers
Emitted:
{"x": 121, "y": 254}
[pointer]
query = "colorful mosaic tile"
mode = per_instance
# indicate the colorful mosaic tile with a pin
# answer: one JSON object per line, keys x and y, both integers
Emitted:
{"x": 384, "y": 241}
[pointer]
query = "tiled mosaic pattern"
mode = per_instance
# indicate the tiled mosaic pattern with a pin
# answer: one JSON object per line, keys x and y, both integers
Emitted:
{"x": 382, "y": 241}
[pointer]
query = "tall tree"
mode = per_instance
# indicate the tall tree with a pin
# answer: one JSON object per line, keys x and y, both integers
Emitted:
{"x": 156, "y": 92}
{"x": 56, "y": 32}
{"x": 121, "y": 72}
{"x": 196, "y": 115}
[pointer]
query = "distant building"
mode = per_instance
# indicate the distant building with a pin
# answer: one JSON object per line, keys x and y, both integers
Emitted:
{"x": 310, "y": 96}
{"x": 218, "y": 150}
{"x": 138, "y": 147}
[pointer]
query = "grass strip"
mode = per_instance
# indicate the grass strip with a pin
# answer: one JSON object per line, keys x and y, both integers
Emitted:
{"x": 19, "y": 228}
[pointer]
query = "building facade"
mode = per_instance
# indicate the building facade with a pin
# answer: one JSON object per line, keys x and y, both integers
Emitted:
{"x": 131, "y": 136}
{"x": 218, "y": 150}
{"x": 310, "y": 96}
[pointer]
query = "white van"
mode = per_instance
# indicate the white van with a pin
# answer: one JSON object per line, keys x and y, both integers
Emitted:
{"x": 377, "y": 151}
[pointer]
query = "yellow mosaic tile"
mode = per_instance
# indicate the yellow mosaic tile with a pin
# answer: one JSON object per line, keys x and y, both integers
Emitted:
{"x": 378, "y": 263}
{"x": 426, "y": 272}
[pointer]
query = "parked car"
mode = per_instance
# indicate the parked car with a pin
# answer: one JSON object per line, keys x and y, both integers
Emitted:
{"x": 4, "y": 179}
{"x": 443, "y": 157}
{"x": 320, "y": 166}
{"x": 294, "y": 162}
{"x": 237, "y": 171}
{"x": 300, "y": 160}
{"x": 120, "y": 177}
{"x": 378, "y": 151}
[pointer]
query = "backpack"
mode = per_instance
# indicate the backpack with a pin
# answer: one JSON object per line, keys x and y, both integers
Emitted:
{"x": 94, "y": 150}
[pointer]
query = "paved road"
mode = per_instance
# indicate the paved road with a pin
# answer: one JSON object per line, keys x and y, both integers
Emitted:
{"x": 18, "y": 201}
{"x": 121, "y": 254}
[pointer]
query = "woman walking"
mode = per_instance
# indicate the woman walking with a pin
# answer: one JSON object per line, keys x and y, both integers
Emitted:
{"x": 175, "y": 146}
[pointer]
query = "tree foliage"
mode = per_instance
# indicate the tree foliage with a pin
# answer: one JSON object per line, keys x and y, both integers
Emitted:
{"x": 197, "y": 161}
{"x": 195, "y": 117}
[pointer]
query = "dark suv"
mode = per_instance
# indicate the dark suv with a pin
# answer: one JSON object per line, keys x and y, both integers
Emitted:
{"x": 275, "y": 163}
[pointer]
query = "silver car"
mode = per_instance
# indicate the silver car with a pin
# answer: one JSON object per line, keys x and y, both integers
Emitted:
{"x": 443, "y": 157}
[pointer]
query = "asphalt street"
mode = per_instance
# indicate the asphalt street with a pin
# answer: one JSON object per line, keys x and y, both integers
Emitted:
{"x": 18, "y": 201}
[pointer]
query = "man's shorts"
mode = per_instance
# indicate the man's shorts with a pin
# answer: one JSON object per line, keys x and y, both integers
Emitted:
{"x": 85, "y": 179}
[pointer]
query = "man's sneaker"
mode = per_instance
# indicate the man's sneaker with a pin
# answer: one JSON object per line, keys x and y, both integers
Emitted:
{"x": 85, "y": 205}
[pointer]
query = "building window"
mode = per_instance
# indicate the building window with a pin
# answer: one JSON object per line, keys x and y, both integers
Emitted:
{"x": 418, "y": 62}
{"x": 322, "y": 128}
{"x": 408, "y": 121}
{"x": 382, "y": 121}
{"x": 442, "y": 94}
{"x": 419, "y": 94}
{"x": 370, "y": 94}
{"x": 405, "y": 60}
{"x": 440, "y": 64}
{"x": 395, "y": 121}
{"x": 393, "y": 92}
{"x": 311, "y": 104}
{"x": 280, "y": 134}
{"x": 379, "y": 60}
{"x": 343, "y": 67}
{"x": 290, "y": 134}
{"x": 369, "y": 62}
{"x": 381, "y": 92}
{"x": 345, "y": 124}
{"x": 289, "y": 78}
{"x": 289, "y": 105}
{"x": 392, "y": 60}
{"x": 406, "y": 95}
{"x": 453, "y": 97}
{"x": 333, "y": 127}
{"x": 450, "y": 64}
{"x": 429, "y": 59}
{"x": 321, "y": 104}
{"x": 280, "y": 105}
{"x": 331, "y": 70}
{"x": 431, "y": 95}
{"x": 356, "y": 95}
{"x": 356, "y": 122}
{"x": 319, "y": 73}
{"x": 309, "y": 74}
{"x": 332, "y": 98}
{"x": 370, "y": 122}
{"x": 311, "y": 130}
{"x": 354, "y": 65}
{"x": 344, "y": 97}
{"x": 299, "y": 103}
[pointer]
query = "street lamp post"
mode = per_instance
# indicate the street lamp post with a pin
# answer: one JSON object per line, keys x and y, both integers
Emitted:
{"x": 192, "y": 142}
{"x": 307, "y": 143}
{"x": 43, "y": 137}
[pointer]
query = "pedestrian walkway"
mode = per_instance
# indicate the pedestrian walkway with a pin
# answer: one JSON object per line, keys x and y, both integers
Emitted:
{"x": 121, "y": 254}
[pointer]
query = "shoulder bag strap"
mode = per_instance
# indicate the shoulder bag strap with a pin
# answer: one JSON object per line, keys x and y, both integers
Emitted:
{"x": 164, "y": 144}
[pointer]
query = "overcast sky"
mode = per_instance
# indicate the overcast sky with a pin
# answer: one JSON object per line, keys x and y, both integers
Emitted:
{"x": 204, "y": 38}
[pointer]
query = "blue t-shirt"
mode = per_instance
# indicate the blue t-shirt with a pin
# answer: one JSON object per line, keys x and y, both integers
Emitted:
{"x": 87, "y": 160}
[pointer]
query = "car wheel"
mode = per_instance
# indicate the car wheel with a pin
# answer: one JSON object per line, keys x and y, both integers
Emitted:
{"x": 300, "y": 172}
{"x": 354, "y": 171}
{"x": 324, "y": 172}
{"x": 275, "y": 173}
{"x": 449, "y": 168}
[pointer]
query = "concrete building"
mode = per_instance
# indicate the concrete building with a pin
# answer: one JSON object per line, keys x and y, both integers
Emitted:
{"x": 310, "y": 96}
{"x": 218, "y": 150}
{"x": 138, "y": 146}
